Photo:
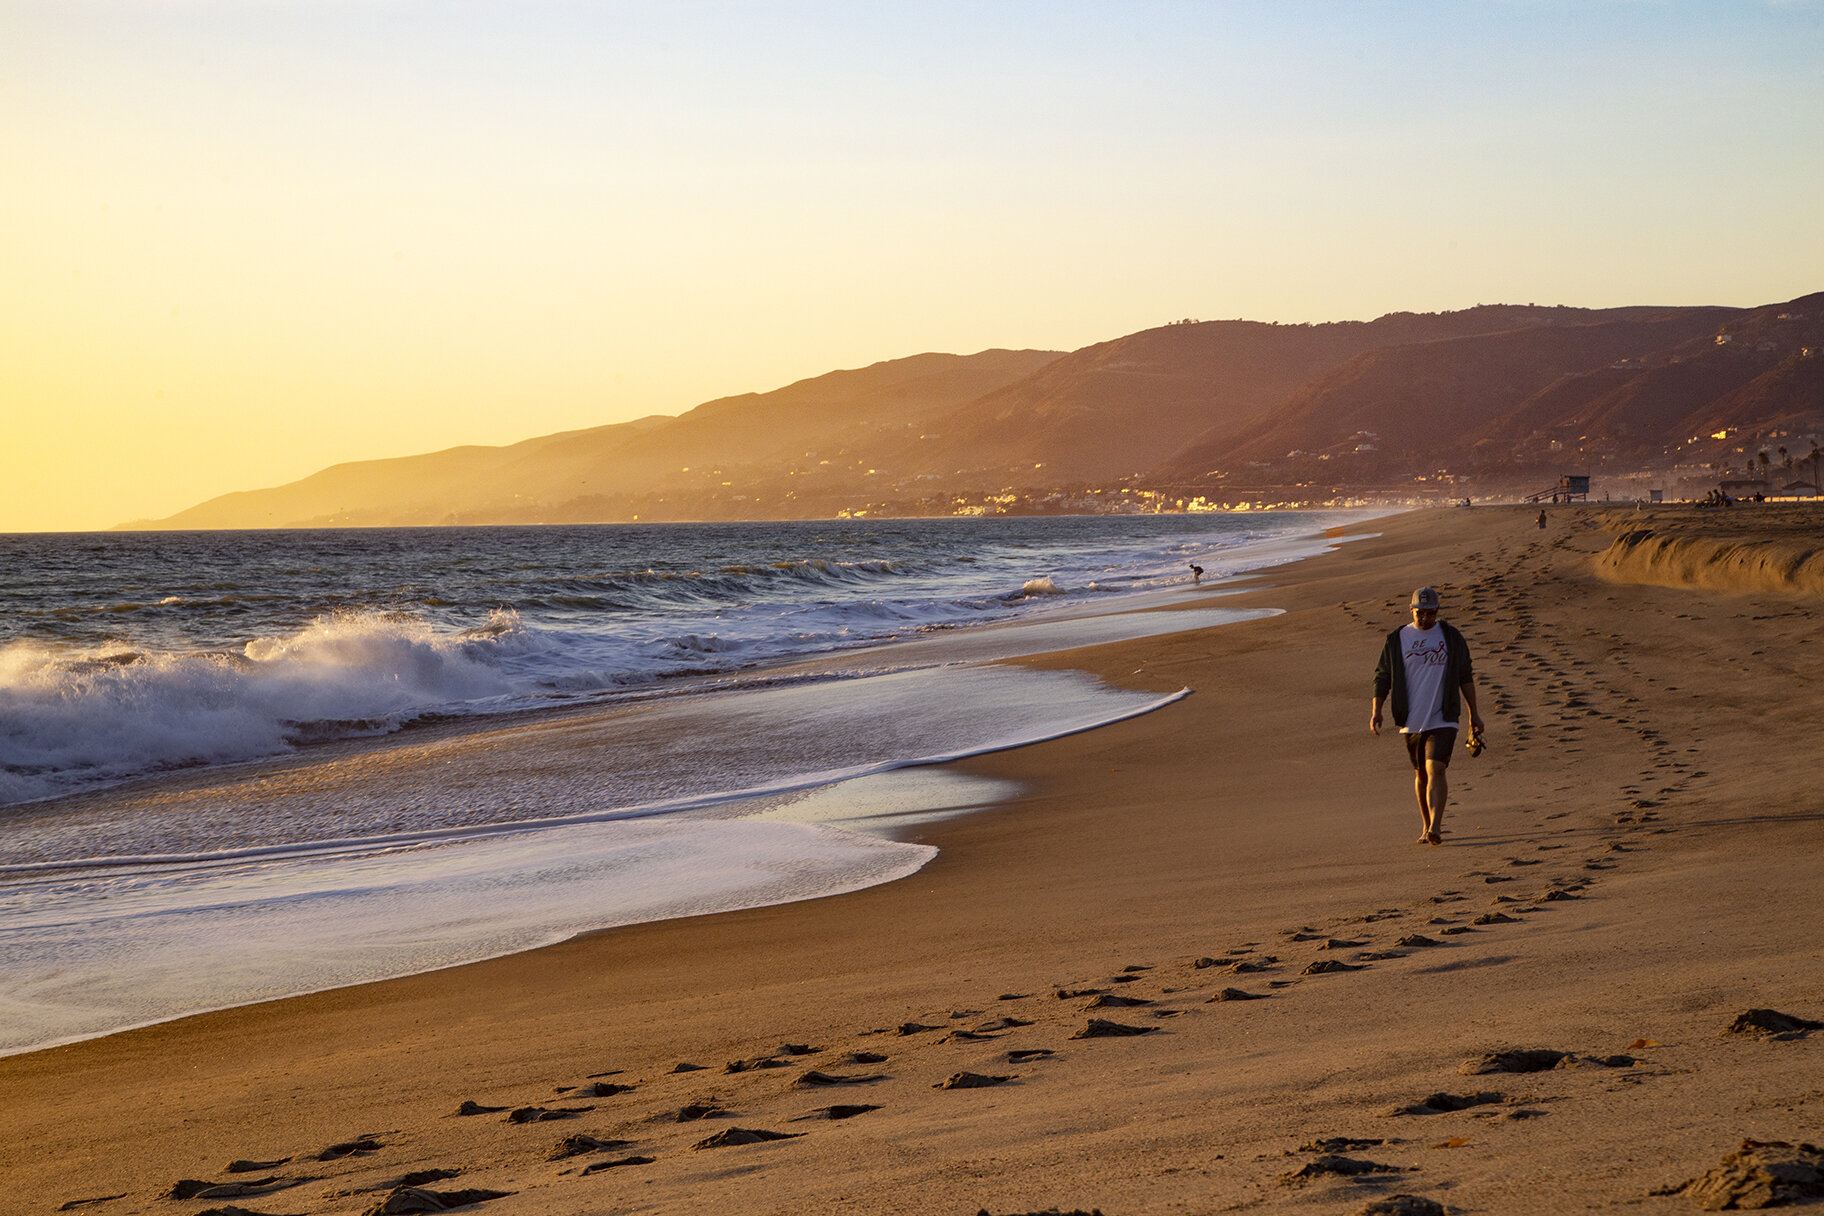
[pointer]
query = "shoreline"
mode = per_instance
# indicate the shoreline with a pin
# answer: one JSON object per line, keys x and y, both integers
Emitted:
{"x": 1222, "y": 828}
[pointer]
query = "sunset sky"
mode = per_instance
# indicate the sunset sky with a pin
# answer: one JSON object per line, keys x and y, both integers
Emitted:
{"x": 243, "y": 241}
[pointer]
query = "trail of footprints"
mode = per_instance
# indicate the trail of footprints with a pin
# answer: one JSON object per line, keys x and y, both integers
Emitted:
{"x": 1534, "y": 681}
{"x": 609, "y": 1123}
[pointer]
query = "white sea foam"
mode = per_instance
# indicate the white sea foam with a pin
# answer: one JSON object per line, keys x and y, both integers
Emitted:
{"x": 83, "y": 715}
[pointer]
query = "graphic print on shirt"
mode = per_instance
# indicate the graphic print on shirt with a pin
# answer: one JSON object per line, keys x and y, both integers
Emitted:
{"x": 1425, "y": 655}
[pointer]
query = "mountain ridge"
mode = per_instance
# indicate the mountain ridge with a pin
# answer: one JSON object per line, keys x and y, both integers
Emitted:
{"x": 1493, "y": 397}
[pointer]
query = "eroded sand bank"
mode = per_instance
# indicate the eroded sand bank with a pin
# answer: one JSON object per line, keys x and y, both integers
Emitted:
{"x": 1629, "y": 868}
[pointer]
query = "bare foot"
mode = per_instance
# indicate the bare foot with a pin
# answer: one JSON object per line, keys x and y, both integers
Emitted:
{"x": 1434, "y": 838}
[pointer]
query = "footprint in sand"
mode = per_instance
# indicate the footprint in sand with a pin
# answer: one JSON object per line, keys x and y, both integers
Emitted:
{"x": 1329, "y": 965}
{"x": 1235, "y": 994}
{"x": 254, "y": 1167}
{"x": 350, "y": 1148}
{"x": 476, "y": 1108}
{"x": 1340, "y": 1167}
{"x": 598, "y": 1166}
{"x": 697, "y": 1110}
{"x": 836, "y": 1112}
{"x": 1773, "y": 1023}
{"x": 542, "y": 1114}
{"x": 417, "y": 1199}
{"x": 1022, "y": 1055}
{"x": 820, "y": 1080}
{"x": 576, "y": 1146}
{"x": 1442, "y": 1103}
{"x": 1099, "y": 1028}
{"x": 1116, "y": 1002}
{"x": 970, "y": 1080}
{"x": 743, "y": 1135}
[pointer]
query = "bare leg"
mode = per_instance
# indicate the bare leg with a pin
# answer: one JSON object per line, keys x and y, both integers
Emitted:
{"x": 1418, "y": 789}
{"x": 1437, "y": 793}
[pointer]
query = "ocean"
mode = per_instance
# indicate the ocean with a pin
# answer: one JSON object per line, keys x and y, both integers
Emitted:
{"x": 237, "y": 766}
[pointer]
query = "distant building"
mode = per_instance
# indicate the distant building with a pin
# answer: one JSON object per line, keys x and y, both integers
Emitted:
{"x": 1798, "y": 489}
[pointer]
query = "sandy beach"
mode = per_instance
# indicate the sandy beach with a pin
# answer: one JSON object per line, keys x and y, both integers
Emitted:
{"x": 1534, "y": 1017}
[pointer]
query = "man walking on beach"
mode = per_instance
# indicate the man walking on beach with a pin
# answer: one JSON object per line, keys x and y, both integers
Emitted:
{"x": 1426, "y": 668}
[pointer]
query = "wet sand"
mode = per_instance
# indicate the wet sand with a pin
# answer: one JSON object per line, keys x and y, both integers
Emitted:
{"x": 1050, "y": 1014}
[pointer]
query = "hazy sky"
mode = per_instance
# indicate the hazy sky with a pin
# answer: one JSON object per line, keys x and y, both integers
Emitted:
{"x": 243, "y": 241}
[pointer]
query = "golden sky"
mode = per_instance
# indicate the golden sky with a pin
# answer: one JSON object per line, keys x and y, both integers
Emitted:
{"x": 243, "y": 241}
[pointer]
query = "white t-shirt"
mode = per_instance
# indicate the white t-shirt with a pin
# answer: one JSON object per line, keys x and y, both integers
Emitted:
{"x": 1426, "y": 654}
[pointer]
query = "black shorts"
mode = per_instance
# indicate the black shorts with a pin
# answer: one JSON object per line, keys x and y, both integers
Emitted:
{"x": 1431, "y": 745}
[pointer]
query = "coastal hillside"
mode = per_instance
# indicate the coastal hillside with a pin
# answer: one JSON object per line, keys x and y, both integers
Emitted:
{"x": 1702, "y": 389}
{"x": 1491, "y": 400}
{"x": 593, "y": 473}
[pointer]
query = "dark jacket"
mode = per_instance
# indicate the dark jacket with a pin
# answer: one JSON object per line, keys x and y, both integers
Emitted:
{"x": 1390, "y": 674}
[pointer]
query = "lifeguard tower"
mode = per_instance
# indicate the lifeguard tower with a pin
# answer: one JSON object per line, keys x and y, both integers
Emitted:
{"x": 1572, "y": 487}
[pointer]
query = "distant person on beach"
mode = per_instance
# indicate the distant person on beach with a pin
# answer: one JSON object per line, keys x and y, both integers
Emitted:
{"x": 1542, "y": 521}
{"x": 1196, "y": 573}
{"x": 1425, "y": 671}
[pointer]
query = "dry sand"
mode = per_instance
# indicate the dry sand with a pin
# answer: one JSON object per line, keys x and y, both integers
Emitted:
{"x": 1631, "y": 865}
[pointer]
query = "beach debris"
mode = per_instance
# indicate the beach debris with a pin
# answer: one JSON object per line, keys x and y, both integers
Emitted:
{"x": 1342, "y": 1167}
{"x": 1101, "y": 1028}
{"x": 1327, "y": 965}
{"x": 1339, "y": 1144}
{"x": 970, "y": 1080}
{"x": 1440, "y": 1103}
{"x": 1401, "y": 1205}
{"x": 1772, "y": 1022}
{"x": 698, "y": 1110}
{"x": 576, "y": 1146}
{"x": 743, "y": 1135}
{"x": 605, "y": 1089}
{"x": 351, "y": 1148}
{"x": 476, "y": 1108}
{"x": 1495, "y": 918}
{"x": 906, "y": 1028}
{"x": 542, "y": 1114}
{"x": 836, "y": 1112}
{"x": 1106, "y": 1001}
{"x": 73, "y": 1204}
{"x": 418, "y": 1199}
{"x": 253, "y": 1167}
{"x": 1760, "y": 1174}
{"x": 1236, "y": 994}
{"x": 814, "y": 1079}
{"x": 597, "y": 1166}
{"x": 1000, "y": 1024}
{"x": 1642, "y": 1044}
{"x": 1029, "y": 1053}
